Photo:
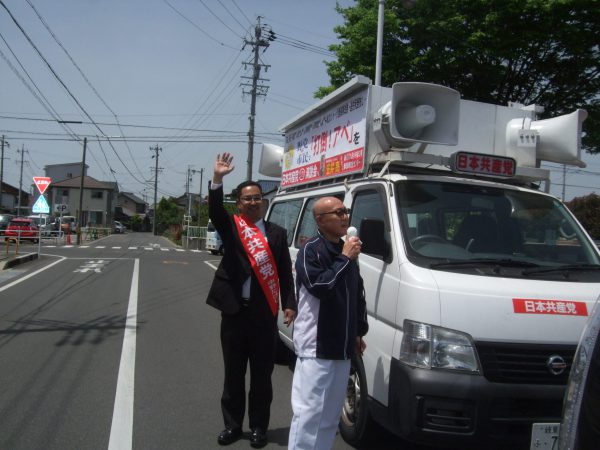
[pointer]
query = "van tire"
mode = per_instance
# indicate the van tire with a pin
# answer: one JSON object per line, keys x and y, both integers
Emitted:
{"x": 214, "y": 252}
{"x": 355, "y": 422}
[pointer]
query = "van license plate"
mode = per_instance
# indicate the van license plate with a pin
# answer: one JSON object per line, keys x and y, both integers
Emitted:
{"x": 544, "y": 436}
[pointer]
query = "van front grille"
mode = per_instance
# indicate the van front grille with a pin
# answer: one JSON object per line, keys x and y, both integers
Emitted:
{"x": 525, "y": 363}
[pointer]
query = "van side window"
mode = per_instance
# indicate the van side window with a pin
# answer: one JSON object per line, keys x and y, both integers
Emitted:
{"x": 369, "y": 204}
{"x": 285, "y": 214}
{"x": 308, "y": 226}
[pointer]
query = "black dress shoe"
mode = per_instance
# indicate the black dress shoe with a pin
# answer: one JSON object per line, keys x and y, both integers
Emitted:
{"x": 258, "y": 438}
{"x": 229, "y": 436}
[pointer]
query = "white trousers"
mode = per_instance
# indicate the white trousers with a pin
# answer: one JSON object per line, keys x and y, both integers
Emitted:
{"x": 318, "y": 393}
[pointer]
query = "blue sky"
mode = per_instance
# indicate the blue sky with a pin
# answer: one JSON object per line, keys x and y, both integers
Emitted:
{"x": 163, "y": 65}
{"x": 156, "y": 63}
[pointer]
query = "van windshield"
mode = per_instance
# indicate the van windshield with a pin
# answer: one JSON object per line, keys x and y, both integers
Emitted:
{"x": 452, "y": 226}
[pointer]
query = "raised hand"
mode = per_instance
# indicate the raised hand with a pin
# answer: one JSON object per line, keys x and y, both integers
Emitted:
{"x": 222, "y": 167}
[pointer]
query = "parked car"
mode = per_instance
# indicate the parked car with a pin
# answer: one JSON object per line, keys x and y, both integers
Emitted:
{"x": 44, "y": 222}
{"x": 22, "y": 228}
{"x": 213, "y": 240}
{"x": 68, "y": 223}
{"x": 5, "y": 220}
{"x": 118, "y": 227}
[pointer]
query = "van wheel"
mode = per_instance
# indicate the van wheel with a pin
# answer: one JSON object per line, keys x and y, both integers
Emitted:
{"x": 221, "y": 250}
{"x": 214, "y": 252}
{"x": 355, "y": 423}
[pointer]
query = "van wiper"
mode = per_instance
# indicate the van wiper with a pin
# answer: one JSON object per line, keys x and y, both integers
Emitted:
{"x": 504, "y": 262}
{"x": 568, "y": 267}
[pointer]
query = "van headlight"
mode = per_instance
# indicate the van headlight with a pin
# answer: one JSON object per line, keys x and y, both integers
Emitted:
{"x": 434, "y": 347}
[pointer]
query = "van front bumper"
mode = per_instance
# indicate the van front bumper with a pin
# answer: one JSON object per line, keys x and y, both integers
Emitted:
{"x": 466, "y": 410}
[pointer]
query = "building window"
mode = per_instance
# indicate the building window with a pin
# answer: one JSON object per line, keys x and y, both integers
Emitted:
{"x": 69, "y": 175}
{"x": 65, "y": 193}
{"x": 97, "y": 194}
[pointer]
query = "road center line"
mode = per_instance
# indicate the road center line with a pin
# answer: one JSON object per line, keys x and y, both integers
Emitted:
{"x": 121, "y": 430}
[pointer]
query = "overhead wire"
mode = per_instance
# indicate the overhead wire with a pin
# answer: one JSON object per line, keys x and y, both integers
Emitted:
{"x": 39, "y": 95}
{"x": 240, "y": 10}
{"x": 220, "y": 20}
{"x": 89, "y": 83}
{"x": 179, "y": 13}
{"x": 61, "y": 82}
{"x": 153, "y": 127}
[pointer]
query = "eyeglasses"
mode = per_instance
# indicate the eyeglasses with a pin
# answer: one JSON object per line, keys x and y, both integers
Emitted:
{"x": 338, "y": 212}
{"x": 251, "y": 198}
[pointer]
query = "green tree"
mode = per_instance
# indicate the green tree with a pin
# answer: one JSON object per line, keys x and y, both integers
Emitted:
{"x": 167, "y": 214}
{"x": 526, "y": 51}
{"x": 135, "y": 223}
{"x": 587, "y": 211}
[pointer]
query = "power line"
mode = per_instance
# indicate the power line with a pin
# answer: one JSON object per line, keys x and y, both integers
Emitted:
{"x": 234, "y": 18}
{"x": 84, "y": 77}
{"x": 65, "y": 86}
{"x": 219, "y": 19}
{"x": 180, "y": 14}
{"x": 242, "y": 12}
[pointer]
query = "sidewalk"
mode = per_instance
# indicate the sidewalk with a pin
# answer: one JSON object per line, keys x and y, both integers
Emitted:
{"x": 12, "y": 260}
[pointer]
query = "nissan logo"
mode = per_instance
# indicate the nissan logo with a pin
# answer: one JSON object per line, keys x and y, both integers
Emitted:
{"x": 556, "y": 365}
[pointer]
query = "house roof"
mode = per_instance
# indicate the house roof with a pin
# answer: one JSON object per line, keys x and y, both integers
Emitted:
{"x": 88, "y": 183}
{"x": 132, "y": 197}
{"x": 65, "y": 164}
{"x": 11, "y": 190}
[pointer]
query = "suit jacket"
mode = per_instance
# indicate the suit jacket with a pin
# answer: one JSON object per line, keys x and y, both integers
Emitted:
{"x": 226, "y": 289}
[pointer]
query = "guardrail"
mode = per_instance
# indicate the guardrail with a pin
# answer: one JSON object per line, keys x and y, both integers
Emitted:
{"x": 93, "y": 233}
{"x": 192, "y": 233}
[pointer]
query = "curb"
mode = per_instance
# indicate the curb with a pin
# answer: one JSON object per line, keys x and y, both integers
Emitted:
{"x": 18, "y": 260}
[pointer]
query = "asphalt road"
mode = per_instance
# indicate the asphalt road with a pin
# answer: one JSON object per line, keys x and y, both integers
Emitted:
{"x": 111, "y": 345}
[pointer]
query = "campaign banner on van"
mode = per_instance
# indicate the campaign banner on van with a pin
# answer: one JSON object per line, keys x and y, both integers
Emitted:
{"x": 330, "y": 145}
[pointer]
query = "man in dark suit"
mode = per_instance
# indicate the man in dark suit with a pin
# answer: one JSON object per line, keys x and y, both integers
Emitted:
{"x": 254, "y": 276}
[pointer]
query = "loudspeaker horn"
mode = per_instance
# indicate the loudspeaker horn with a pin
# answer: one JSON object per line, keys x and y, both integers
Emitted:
{"x": 560, "y": 138}
{"x": 271, "y": 158}
{"x": 419, "y": 113}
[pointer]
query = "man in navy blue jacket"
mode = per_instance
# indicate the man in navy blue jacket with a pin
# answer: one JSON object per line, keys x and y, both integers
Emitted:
{"x": 329, "y": 326}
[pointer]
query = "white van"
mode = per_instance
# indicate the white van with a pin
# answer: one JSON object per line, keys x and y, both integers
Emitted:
{"x": 44, "y": 222}
{"x": 213, "y": 241}
{"x": 477, "y": 283}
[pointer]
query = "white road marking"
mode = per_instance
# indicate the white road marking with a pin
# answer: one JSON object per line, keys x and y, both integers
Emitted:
{"x": 148, "y": 248}
{"x": 3, "y": 288}
{"x": 121, "y": 430}
{"x": 208, "y": 263}
{"x": 132, "y": 248}
{"x": 116, "y": 247}
{"x": 164, "y": 249}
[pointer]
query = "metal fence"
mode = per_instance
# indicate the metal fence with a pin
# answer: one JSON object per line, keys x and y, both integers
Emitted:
{"x": 194, "y": 237}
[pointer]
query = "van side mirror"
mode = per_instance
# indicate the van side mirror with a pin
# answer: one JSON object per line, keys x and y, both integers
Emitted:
{"x": 372, "y": 232}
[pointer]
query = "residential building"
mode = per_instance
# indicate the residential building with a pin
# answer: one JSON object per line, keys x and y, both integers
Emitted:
{"x": 98, "y": 202}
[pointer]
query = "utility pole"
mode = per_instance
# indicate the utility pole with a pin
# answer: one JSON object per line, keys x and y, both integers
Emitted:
{"x": 156, "y": 149}
{"x": 257, "y": 89}
{"x": 4, "y": 142}
{"x": 80, "y": 215}
{"x": 201, "y": 172}
{"x": 20, "y": 179}
{"x": 187, "y": 190}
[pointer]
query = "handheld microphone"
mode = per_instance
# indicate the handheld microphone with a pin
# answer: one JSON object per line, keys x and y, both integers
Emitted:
{"x": 352, "y": 232}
